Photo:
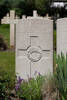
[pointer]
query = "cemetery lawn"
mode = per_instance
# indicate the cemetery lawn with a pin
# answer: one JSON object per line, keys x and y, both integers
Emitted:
{"x": 7, "y": 61}
{"x": 5, "y": 32}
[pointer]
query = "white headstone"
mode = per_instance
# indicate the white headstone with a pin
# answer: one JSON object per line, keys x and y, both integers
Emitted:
{"x": 62, "y": 36}
{"x": 23, "y": 17}
{"x": 34, "y": 47}
{"x": 35, "y": 13}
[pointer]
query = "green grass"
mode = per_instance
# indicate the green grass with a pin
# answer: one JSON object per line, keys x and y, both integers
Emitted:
{"x": 7, "y": 61}
{"x": 5, "y": 32}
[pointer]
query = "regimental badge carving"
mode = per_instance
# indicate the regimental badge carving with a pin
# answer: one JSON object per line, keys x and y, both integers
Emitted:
{"x": 34, "y": 53}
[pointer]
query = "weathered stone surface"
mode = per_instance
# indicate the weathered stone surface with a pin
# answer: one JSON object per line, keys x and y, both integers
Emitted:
{"x": 34, "y": 47}
{"x": 62, "y": 36}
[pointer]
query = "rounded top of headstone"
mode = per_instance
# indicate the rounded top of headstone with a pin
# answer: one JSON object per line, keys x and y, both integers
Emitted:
{"x": 62, "y": 19}
{"x": 35, "y": 13}
{"x": 23, "y": 16}
{"x": 12, "y": 11}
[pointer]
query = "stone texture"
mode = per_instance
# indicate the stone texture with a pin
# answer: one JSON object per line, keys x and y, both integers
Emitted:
{"x": 12, "y": 28}
{"x": 12, "y": 33}
{"x": 62, "y": 36}
{"x": 34, "y": 47}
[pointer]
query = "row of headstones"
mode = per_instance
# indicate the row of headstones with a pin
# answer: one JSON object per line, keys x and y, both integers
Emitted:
{"x": 34, "y": 43}
{"x": 13, "y": 19}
